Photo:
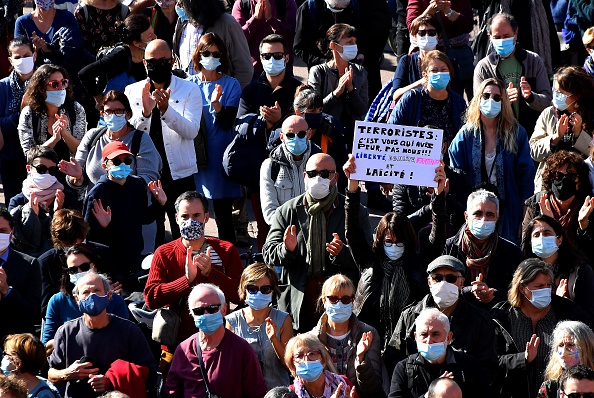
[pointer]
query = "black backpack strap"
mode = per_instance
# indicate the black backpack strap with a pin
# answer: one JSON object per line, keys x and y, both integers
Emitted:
{"x": 410, "y": 371}
{"x": 136, "y": 140}
{"x": 274, "y": 170}
{"x": 246, "y": 9}
{"x": 96, "y": 136}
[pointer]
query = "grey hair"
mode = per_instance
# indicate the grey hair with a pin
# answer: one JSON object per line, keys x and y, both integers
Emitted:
{"x": 281, "y": 392}
{"x": 103, "y": 277}
{"x": 432, "y": 313}
{"x": 114, "y": 394}
{"x": 207, "y": 286}
{"x": 483, "y": 196}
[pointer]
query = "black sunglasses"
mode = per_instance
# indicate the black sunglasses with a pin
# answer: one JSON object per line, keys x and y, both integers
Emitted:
{"x": 210, "y": 309}
{"x": 117, "y": 161}
{"x": 579, "y": 394}
{"x": 343, "y": 299}
{"x": 215, "y": 54}
{"x": 495, "y": 97}
{"x": 58, "y": 84}
{"x": 158, "y": 62}
{"x": 430, "y": 32}
{"x": 84, "y": 267}
{"x": 300, "y": 134}
{"x": 253, "y": 289}
{"x": 42, "y": 169}
{"x": 557, "y": 175}
{"x": 321, "y": 173}
{"x": 277, "y": 56}
{"x": 450, "y": 278}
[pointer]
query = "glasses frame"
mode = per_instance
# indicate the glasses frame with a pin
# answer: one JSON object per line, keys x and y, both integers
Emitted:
{"x": 558, "y": 176}
{"x": 494, "y": 97}
{"x": 276, "y": 55}
{"x": 440, "y": 277}
{"x": 117, "y": 161}
{"x": 43, "y": 169}
{"x": 579, "y": 394}
{"x": 321, "y": 173}
{"x": 83, "y": 267}
{"x": 58, "y": 84}
{"x": 215, "y": 54}
{"x": 210, "y": 309}
{"x": 308, "y": 356}
{"x": 117, "y": 112}
{"x": 291, "y": 136}
{"x": 344, "y": 299}
{"x": 429, "y": 32}
{"x": 253, "y": 289}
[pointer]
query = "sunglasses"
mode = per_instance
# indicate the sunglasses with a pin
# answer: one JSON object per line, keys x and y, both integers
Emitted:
{"x": 117, "y": 112}
{"x": 321, "y": 173}
{"x": 210, "y": 309}
{"x": 158, "y": 62}
{"x": 389, "y": 243}
{"x": 215, "y": 54}
{"x": 117, "y": 161}
{"x": 42, "y": 169}
{"x": 278, "y": 56}
{"x": 253, "y": 289}
{"x": 58, "y": 84}
{"x": 557, "y": 175}
{"x": 343, "y": 299}
{"x": 300, "y": 134}
{"x": 495, "y": 97}
{"x": 449, "y": 278}
{"x": 579, "y": 394}
{"x": 84, "y": 267}
{"x": 430, "y": 32}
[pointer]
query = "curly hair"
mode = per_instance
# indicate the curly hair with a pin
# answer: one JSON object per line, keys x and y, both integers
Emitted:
{"x": 205, "y": 42}
{"x": 131, "y": 28}
{"x": 204, "y": 12}
{"x": 16, "y": 388}
{"x": 575, "y": 161}
{"x": 35, "y": 92}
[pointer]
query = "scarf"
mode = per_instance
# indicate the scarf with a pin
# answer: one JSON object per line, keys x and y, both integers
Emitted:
{"x": 395, "y": 293}
{"x": 589, "y": 65}
{"x": 44, "y": 196}
{"x": 478, "y": 257}
{"x": 566, "y": 220}
{"x": 17, "y": 89}
{"x": 332, "y": 381}
{"x": 316, "y": 247}
{"x": 478, "y": 163}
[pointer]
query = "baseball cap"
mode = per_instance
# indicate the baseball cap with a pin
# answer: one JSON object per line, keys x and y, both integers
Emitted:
{"x": 446, "y": 261}
{"x": 114, "y": 149}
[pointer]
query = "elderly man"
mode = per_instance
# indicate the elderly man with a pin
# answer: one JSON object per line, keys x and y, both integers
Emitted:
{"x": 306, "y": 238}
{"x": 436, "y": 358}
{"x": 281, "y": 175}
{"x": 444, "y": 388}
{"x": 99, "y": 352}
{"x": 490, "y": 259}
{"x": 169, "y": 109}
{"x": 227, "y": 361}
{"x": 472, "y": 327}
{"x": 577, "y": 381}
{"x": 523, "y": 72}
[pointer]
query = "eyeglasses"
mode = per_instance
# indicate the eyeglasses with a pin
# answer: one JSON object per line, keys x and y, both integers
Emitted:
{"x": 449, "y": 278}
{"x": 389, "y": 243}
{"x": 117, "y": 112}
{"x": 309, "y": 356}
{"x": 495, "y": 97}
{"x": 278, "y": 56}
{"x": 210, "y": 309}
{"x": 42, "y": 169}
{"x": 557, "y": 175}
{"x": 215, "y": 54}
{"x": 579, "y": 394}
{"x": 117, "y": 161}
{"x": 343, "y": 299}
{"x": 84, "y": 267}
{"x": 321, "y": 173}
{"x": 58, "y": 84}
{"x": 253, "y": 289}
{"x": 158, "y": 62}
{"x": 300, "y": 134}
{"x": 430, "y": 32}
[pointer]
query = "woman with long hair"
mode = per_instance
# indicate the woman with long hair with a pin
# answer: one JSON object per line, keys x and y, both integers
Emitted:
{"x": 492, "y": 147}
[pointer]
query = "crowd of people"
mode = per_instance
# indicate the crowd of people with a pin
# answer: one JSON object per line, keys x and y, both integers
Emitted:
{"x": 117, "y": 117}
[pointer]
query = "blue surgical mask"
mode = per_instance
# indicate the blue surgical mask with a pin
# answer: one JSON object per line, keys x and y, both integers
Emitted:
{"x": 209, "y": 323}
{"x": 339, "y": 312}
{"x": 120, "y": 172}
{"x": 115, "y": 122}
{"x": 210, "y": 63}
{"x": 560, "y": 101}
{"x": 273, "y": 67}
{"x": 309, "y": 370}
{"x": 314, "y": 120}
{"x": 541, "y": 298}
{"x": 431, "y": 352}
{"x": 395, "y": 251}
{"x": 490, "y": 108}
{"x": 74, "y": 278}
{"x": 504, "y": 47}
{"x": 258, "y": 301}
{"x": 55, "y": 98}
{"x": 349, "y": 52}
{"x": 181, "y": 13}
{"x": 297, "y": 146}
{"x": 544, "y": 246}
{"x": 7, "y": 366}
{"x": 481, "y": 229}
{"x": 94, "y": 304}
{"x": 439, "y": 80}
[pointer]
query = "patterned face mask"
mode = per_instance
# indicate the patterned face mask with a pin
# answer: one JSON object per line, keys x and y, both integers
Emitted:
{"x": 191, "y": 229}
{"x": 44, "y": 5}
{"x": 164, "y": 3}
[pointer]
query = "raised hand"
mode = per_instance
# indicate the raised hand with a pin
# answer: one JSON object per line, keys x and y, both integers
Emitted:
{"x": 271, "y": 329}
{"x": 335, "y": 246}
{"x": 161, "y": 97}
{"x": 575, "y": 119}
{"x": 3, "y": 282}
{"x": 363, "y": 345}
{"x": 481, "y": 291}
{"x": 102, "y": 215}
{"x": 585, "y": 211}
{"x": 512, "y": 93}
{"x": 191, "y": 266}
{"x": 59, "y": 201}
{"x": 72, "y": 168}
{"x": 531, "y": 348}
{"x": 34, "y": 203}
{"x": 545, "y": 205}
{"x": 148, "y": 102}
{"x": 562, "y": 128}
{"x": 216, "y": 94}
{"x": 349, "y": 168}
{"x": 525, "y": 88}
{"x": 562, "y": 290}
{"x": 349, "y": 71}
{"x": 290, "y": 238}
{"x": 157, "y": 191}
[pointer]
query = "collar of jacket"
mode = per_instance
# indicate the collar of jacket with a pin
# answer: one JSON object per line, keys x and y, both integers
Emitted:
{"x": 284, "y": 83}
{"x": 322, "y": 328}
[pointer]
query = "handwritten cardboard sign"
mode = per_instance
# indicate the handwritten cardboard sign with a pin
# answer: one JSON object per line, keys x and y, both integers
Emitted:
{"x": 396, "y": 154}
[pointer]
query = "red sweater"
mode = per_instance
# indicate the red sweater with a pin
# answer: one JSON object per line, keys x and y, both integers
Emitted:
{"x": 167, "y": 282}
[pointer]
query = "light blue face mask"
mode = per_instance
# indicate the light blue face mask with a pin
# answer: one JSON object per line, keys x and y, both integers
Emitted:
{"x": 210, "y": 63}
{"x": 544, "y": 246}
{"x": 258, "y": 301}
{"x": 349, "y": 52}
{"x": 7, "y": 366}
{"x": 181, "y": 13}
{"x": 114, "y": 122}
{"x": 490, "y": 108}
{"x": 297, "y": 146}
{"x": 56, "y": 98}
{"x": 120, "y": 172}
{"x": 439, "y": 80}
{"x": 560, "y": 101}
{"x": 504, "y": 47}
{"x": 431, "y": 352}
{"x": 273, "y": 67}
{"x": 339, "y": 312}
{"x": 395, "y": 251}
{"x": 541, "y": 298}
{"x": 482, "y": 229}
{"x": 309, "y": 370}
{"x": 74, "y": 278}
{"x": 209, "y": 323}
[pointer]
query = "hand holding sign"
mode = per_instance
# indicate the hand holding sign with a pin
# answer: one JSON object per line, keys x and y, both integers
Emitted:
{"x": 350, "y": 168}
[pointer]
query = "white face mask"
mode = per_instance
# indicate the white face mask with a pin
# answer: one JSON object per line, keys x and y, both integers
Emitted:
{"x": 23, "y": 66}
{"x": 444, "y": 294}
{"x": 43, "y": 181}
{"x": 4, "y": 241}
{"x": 318, "y": 187}
{"x": 349, "y": 52}
{"x": 427, "y": 43}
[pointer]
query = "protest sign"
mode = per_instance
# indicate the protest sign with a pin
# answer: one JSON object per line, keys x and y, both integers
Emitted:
{"x": 396, "y": 154}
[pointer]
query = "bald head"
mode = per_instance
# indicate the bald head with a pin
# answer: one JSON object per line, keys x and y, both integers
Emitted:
{"x": 321, "y": 161}
{"x": 293, "y": 124}
{"x": 444, "y": 388}
{"x": 157, "y": 49}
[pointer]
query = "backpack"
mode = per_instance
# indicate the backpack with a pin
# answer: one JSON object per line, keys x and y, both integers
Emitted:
{"x": 123, "y": 12}
{"x": 281, "y": 9}
{"x": 312, "y": 7}
{"x": 134, "y": 148}
{"x": 121, "y": 80}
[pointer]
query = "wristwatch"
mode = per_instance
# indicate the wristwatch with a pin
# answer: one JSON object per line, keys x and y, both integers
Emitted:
{"x": 449, "y": 13}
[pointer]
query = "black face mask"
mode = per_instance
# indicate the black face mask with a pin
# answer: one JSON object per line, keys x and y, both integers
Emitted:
{"x": 159, "y": 70}
{"x": 564, "y": 189}
{"x": 314, "y": 120}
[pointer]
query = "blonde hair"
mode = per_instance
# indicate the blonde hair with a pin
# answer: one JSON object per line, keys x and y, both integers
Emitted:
{"x": 588, "y": 36}
{"x": 255, "y": 272}
{"x": 310, "y": 342}
{"x": 507, "y": 126}
{"x": 526, "y": 272}
{"x": 583, "y": 338}
{"x": 335, "y": 283}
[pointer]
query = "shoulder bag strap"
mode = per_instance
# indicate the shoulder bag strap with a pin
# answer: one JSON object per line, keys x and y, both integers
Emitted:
{"x": 202, "y": 368}
{"x": 444, "y": 34}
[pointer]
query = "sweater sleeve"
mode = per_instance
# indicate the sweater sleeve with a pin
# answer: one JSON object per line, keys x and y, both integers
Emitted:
{"x": 159, "y": 292}
{"x": 228, "y": 281}
{"x": 268, "y": 195}
{"x": 540, "y": 141}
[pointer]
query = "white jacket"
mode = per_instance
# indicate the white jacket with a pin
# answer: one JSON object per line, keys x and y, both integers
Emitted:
{"x": 180, "y": 123}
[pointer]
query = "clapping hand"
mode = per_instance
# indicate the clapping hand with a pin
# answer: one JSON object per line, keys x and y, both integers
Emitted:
{"x": 102, "y": 215}
{"x": 157, "y": 191}
{"x": 335, "y": 246}
{"x": 364, "y": 345}
{"x": 290, "y": 238}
